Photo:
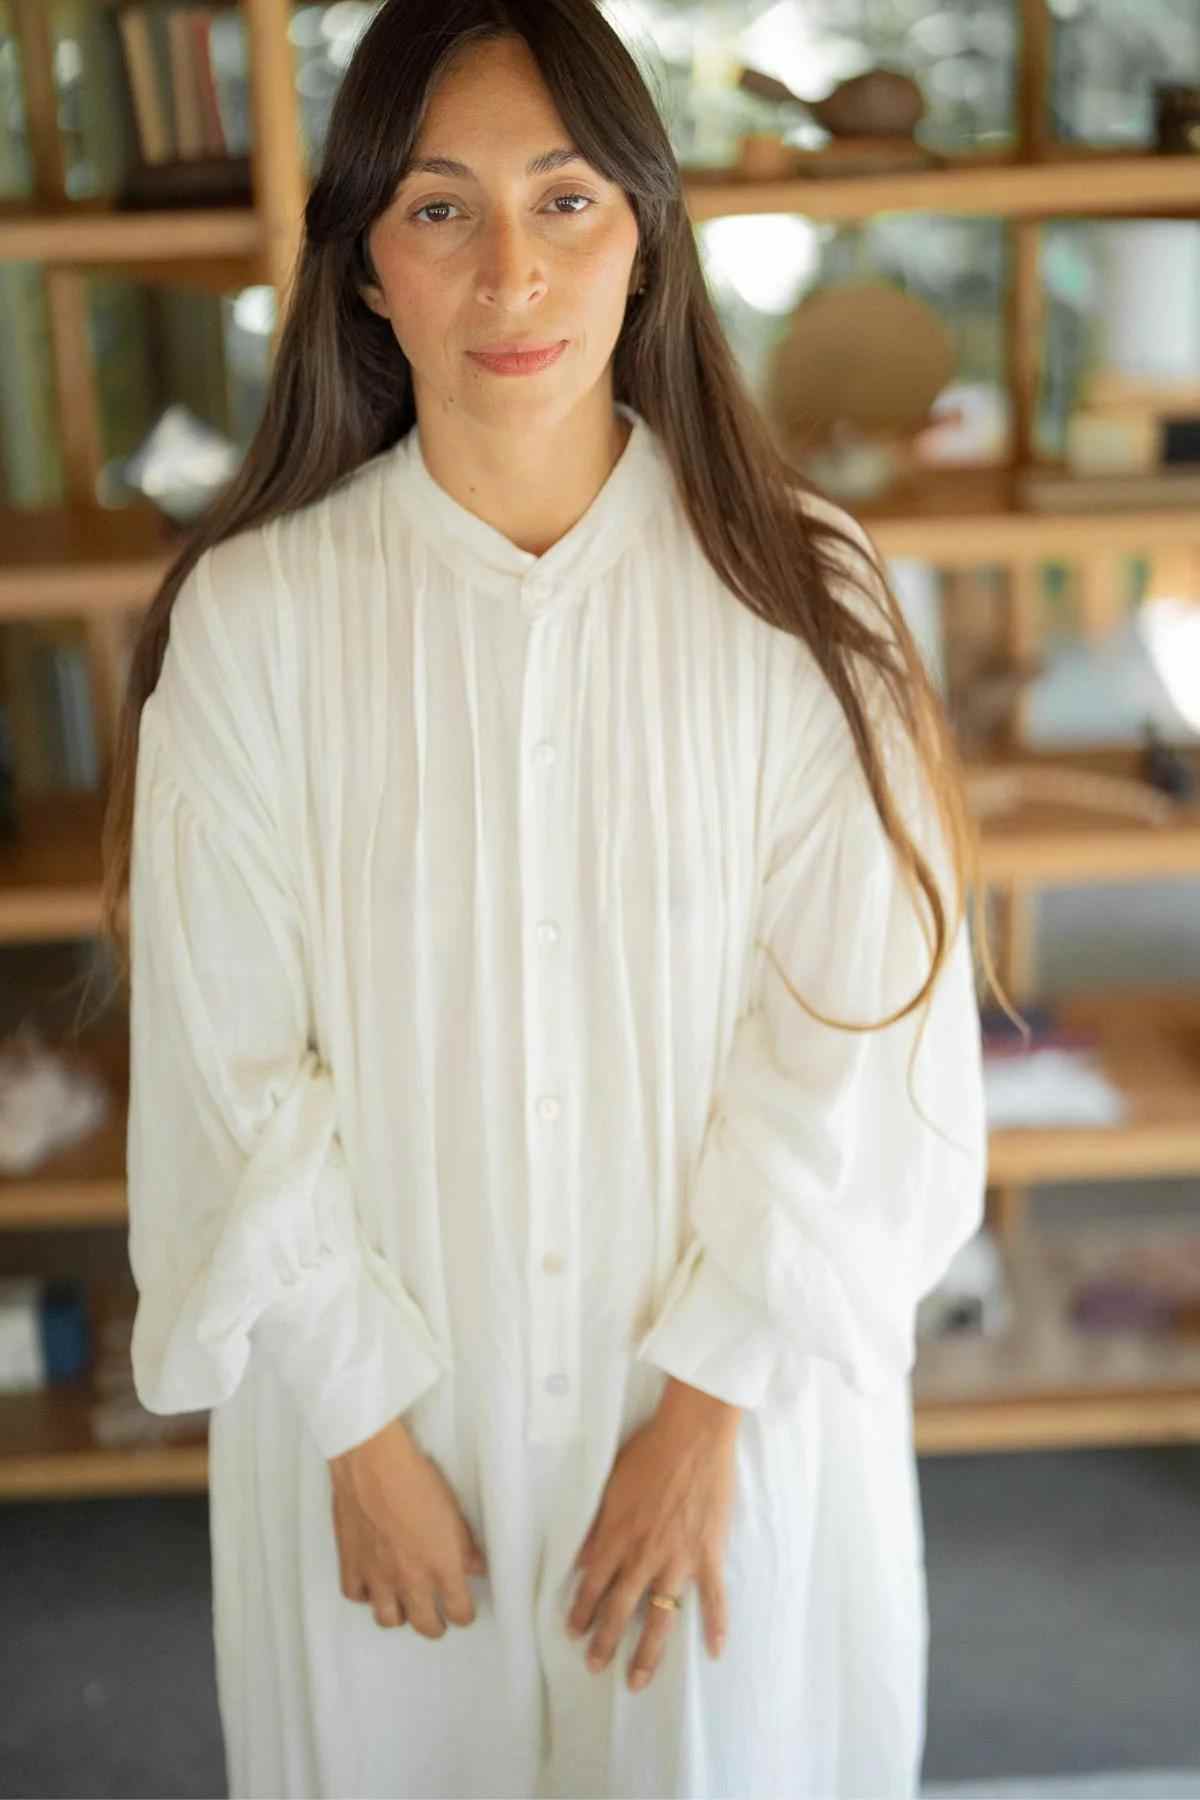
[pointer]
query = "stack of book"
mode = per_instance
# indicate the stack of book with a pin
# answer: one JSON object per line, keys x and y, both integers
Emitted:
{"x": 185, "y": 74}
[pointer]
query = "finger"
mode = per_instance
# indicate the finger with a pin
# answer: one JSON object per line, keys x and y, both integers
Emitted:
{"x": 585, "y": 1549}
{"x": 387, "y": 1607}
{"x": 601, "y": 1570}
{"x": 711, "y": 1583}
{"x": 660, "y": 1622}
{"x": 354, "y": 1585}
{"x": 615, "y": 1612}
{"x": 476, "y": 1560}
{"x": 350, "y": 1574}
{"x": 422, "y": 1611}
{"x": 457, "y": 1605}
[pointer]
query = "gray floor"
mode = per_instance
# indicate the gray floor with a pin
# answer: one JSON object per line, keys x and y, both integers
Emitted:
{"x": 1064, "y": 1597}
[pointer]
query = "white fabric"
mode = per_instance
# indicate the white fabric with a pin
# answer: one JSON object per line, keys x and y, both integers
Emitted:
{"x": 460, "y": 1090}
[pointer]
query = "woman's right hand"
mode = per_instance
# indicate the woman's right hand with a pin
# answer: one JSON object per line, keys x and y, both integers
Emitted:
{"x": 404, "y": 1544}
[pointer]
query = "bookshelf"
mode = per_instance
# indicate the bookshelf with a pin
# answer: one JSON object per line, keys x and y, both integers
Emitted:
{"x": 1037, "y": 1387}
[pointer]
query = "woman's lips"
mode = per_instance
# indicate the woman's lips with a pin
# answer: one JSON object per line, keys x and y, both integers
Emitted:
{"x": 519, "y": 363}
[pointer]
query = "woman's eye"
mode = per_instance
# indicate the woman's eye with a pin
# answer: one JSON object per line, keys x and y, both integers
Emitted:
{"x": 441, "y": 206}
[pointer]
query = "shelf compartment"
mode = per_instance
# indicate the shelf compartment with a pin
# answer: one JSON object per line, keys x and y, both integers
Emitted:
{"x": 1046, "y": 843}
{"x": 1072, "y": 182}
{"x": 1045, "y": 1385}
{"x": 83, "y": 1184}
{"x": 82, "y": 559}
{"x": 48, "y": 1452}
{"x": 50, "y": 877}
{"x": 1149, "y": 1046}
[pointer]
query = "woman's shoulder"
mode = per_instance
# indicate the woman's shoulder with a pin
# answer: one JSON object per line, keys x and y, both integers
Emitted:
{"x": 254, "y": 587}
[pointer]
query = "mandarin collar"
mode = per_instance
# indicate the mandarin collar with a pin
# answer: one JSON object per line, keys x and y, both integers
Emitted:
{"x": 480, "y": 552}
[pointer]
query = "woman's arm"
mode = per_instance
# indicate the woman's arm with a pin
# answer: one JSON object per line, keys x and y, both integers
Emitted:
{"x": 244, "y": 1235}
{"x": 824, "y": 1206}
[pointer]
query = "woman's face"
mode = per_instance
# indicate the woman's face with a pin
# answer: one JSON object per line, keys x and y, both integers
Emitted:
{"x": 500, "y": 256}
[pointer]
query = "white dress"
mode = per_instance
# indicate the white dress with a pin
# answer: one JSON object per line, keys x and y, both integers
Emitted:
{"x": 460, "y": 1090}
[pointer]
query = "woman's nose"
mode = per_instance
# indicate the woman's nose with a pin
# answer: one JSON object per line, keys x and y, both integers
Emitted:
{"x": 509, "y": 263}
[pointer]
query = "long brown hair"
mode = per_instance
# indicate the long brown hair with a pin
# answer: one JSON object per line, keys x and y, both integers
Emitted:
{"x": 341, "y": 391}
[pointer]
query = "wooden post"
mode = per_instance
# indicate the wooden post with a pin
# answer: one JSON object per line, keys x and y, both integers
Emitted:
{"x": 1016, "y": 904}
{"x": 279, "y": 179}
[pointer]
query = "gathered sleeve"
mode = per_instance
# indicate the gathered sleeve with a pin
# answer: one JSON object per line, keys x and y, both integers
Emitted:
{"x": 823, "y": 1205}
{"x": 244, "y": 1235}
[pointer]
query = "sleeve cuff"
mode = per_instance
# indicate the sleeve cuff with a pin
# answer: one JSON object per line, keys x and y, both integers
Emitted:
{"x": 713, "y": 1336}
{"x": 353, "y": 1347}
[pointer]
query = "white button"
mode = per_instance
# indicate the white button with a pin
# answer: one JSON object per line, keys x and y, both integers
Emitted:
{"x": 557, "y": 1384}
{"x": 545, "y": 752}
{"x": 547, "y": 931}
{"x": 549, "y": 1107}
{"x": 552, "y": 1262}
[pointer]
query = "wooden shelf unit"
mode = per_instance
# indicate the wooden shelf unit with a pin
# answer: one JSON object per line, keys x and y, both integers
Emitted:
{"x": 84, "y": 1183}
{"x": 50, "y": 876}
{"x": 1149, "y": 1047}
{"x": 1055, "y": 845}
{"x": 50, "y": 1451}
{"x": 1042, "y": 1383}
{"x": 82, "y": 560}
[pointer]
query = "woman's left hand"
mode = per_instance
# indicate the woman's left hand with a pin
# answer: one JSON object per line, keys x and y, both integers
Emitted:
{"x": 663, "y": 1519}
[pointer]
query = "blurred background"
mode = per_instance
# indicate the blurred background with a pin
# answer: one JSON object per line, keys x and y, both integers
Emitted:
{"x": 955, "y": 245}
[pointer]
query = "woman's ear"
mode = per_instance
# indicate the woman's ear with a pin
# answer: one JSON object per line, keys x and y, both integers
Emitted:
{"x": 374, "y": 299}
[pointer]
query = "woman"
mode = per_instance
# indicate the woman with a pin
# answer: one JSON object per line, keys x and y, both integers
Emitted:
{"x": 546, "y": 877}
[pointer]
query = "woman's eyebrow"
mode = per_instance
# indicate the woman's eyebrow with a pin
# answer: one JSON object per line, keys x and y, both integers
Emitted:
{"x": 544, "y": 164}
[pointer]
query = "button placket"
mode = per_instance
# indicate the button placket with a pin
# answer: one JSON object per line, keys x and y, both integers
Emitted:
{"x": 552, "y": 1272}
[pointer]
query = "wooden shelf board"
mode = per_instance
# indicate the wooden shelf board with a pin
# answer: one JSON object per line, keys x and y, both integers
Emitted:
{"x": 966, "y": 515}
{"x": 1150, "y": 1048}
{"x": 1043, "y": 1384}
{"x": 1070, "y": 182}
{"x": 1067, "y": 1421}
{"x": 48, "y": 1450}
{"x": 82, "y": 559}
{"x": 86, "y": 232}
{"x": 50, "y": 876}
{"x": 1048, "y": 844}
{"x": 83, "y": 1183}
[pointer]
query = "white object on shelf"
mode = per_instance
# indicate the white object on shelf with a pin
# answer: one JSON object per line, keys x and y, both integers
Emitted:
{"x": 974, "y": 1288}
{"x": 22, "y": 1363}
{"x": 44, "y": 1103}
{"x": 1050, "y": 1086}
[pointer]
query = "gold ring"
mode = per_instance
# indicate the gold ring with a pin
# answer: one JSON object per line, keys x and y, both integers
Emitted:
{"x": 667, "y": 1601}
